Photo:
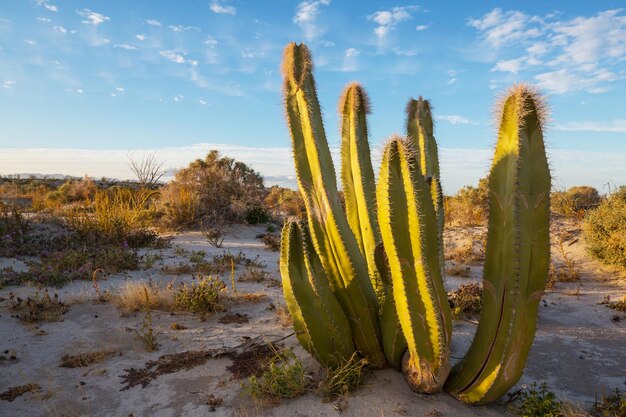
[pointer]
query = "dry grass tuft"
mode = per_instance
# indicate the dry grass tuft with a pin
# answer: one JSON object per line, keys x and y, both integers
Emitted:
{"x": 343, "y": 379}
{"x": 135, "y": 296}
{"x": 458, "y": 270}
{"x": 38, "y": 307}
{"x": 82, "y": 360}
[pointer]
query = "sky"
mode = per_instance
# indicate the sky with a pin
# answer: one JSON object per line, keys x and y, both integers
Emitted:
{"x": 85, "y": 84}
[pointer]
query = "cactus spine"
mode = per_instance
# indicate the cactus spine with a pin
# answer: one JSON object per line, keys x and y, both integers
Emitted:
{"x": 517, "y": 255}
{"x": 409, "y": 228}
{"x": 332, "y": 237}
{"x": 320, "y": 324}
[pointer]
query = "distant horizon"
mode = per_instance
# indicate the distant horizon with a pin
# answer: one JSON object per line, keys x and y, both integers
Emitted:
{"x": 459, "y": 167}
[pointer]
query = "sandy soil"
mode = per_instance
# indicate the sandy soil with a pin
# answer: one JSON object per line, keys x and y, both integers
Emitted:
{"x": 578, "y": 350}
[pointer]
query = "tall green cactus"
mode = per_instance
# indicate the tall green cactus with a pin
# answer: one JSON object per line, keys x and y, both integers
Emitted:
{"x": 517, "y": 255}
{"x": 370, "y": 278}
{"x": 333, "y": 239}
{"x": 409, "y": 228}
{"x": 359, "y": 188}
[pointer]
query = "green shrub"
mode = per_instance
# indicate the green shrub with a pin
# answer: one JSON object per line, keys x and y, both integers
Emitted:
{"x": 575, "y": 201}
{"x": 612, "y": 405}
{"x": 604, "y": 230}
{"x": 257, "y": 215}
{"x": 284, "y": 378}
{"x": 199, "y": 296}
{"x": 541, "y": 402}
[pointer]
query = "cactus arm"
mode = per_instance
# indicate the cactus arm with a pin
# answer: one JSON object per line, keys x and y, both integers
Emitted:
{"x": 409, "y": 231}
{"x": 333, "y": 240}
{"x": 357, "y": 176}
{"x": 394, "y": 343}
{"x": 517, "y": 255}
{"x": 320, "y": 324}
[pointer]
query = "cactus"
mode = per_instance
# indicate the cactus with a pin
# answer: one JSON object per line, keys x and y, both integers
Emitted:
{"x": 320, "y": 324}
{"x": 409, "y": 228}
{"x": 359, "y": 188}
{"x": 332, "y": 237}
{"x": 517, "y": 255}
{"x": 370, "y": 278}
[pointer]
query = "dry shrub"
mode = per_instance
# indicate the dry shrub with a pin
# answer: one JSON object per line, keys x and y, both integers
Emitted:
{"x": 135, "y": 296}
{"x": 284, "y": 202}
{"x": 604, "y": 230}
{"x": 84, "y": 359}
{"x": 575, "y": 201}
{"x": 469, "y": 207}
{"x": 466, "y": 300}
{"x": 72, "y": 191}
{"x": 212, "y": 188}
{"x": 458, "y": 270}
{"x": 39, "y": 307}
{"x": 272, "y": 241}
{"x": 466, "y": 254}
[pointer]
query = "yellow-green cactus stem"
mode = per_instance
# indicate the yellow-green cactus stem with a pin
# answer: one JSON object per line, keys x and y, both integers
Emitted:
{"x": 359, "y": 188}
{"x": 332, "y": 237}
{"x": 318, "y": 320}
{"x": 517, "y": 255}
{"x": 408, "y": 225}
{"x": 420, "y": 131}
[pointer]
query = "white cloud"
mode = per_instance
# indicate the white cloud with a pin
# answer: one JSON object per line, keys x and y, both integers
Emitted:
{"x": 500, "y": 29}
{"x": 617, "y": 125}
{"x": 178, "y": 98}
{"x": 119, "y": 89}
{"x": 79, "y": 90}
{"x": 152, "y": 22}
{"x": 401, "y": 52}
{"x": 421, "y": 27}
{"x": 60, "y": 29}
{"x": 564, "y": 81}
{"x": 306, "y": 16}
{"x": 202, "y": 102}
{"x": 218, "y": 7}
{"x": 451, "y": 81}
{"x": 455, "y": 119}
{"x": 211, "y": 42}
{"x": 8, "y": 84}
{"x": 173, "y": 56}
{"x": 141, "y": 37}
{"x": 43, "y": 19}
{"x": 388, "y": 19}
{"x": 349, "y": 60}
{"x": 125, "y": 46}
{"x": 584, "y": 53}
{"x": 51, "y": 7}
{"x": 327, "y": 44}
{"x": 91, "y": 17}
{"x": 181, "y": 28}
{"x": 30, "y": 41}
{"x": 511, "y": 65}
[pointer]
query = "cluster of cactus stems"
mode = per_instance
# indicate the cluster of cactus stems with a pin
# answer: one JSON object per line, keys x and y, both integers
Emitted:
{"x": 369, "y": 278}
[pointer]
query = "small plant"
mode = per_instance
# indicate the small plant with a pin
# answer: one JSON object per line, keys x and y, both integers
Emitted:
{"x": 139, "y": 295}
{"x": 458, "y": 270}
{"x": 466, "y": 300}
{"x": 466, "y": 254}
{"x": 272, "y": 241}
{"x": 619, "y": 305}
{"x": 150, "y": 259}
{"x": 199, "y": 296}
{"x": 146, "y": 335}
{"x": 604, "y": 230}
{"x": 214, "y": 231}
{"x": 283, "y": 378}
{"x": 39, "y": 307}
{"x": 612, "y": 405}
{"x": 344, "y": 378}
{"x": 567, "y": 271}
{"x": 253, "y": 274}
{"x": 536, "y": 401}
{"x": 257, "y": 215}
{"x": 575, "y": 202}
{"x": 197, "y": 257}
{"x": 82, "y": 360}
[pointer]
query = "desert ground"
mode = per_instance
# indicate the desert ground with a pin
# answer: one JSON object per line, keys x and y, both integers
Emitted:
{"x": 203, "y": 360}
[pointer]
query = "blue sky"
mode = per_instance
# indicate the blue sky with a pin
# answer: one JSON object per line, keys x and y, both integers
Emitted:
{"x": 170, "y": 76}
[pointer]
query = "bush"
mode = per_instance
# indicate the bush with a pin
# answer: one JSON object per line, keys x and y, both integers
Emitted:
{"x": 469, "y": 206}
{"x": 257, "y": 215}
{"x": 200, "y": 296}
{"x": 284, "y": 202}
{"x": 575, "y": 201}
{"x": 533, "y": 402}
{"x": 604, "y": 230}
{"x": 212, "y": 188}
